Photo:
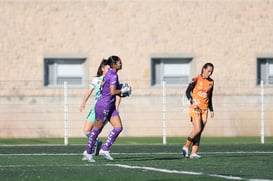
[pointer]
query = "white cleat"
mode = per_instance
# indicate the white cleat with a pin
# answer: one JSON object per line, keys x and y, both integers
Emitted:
{"x": 105, "y": 154}
{"x": 195, "y": 156}
{"x": 84, "y": 157}
{"x": 88, "y": 157}
{"x": 185, "y": 152}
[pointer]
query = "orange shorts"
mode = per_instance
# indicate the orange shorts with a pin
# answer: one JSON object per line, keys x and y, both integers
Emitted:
{"x": 198, "y": 114}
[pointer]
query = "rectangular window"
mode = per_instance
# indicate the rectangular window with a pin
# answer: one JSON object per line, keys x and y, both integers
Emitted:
{"x": 59, "y": 70}
{"x": 265, "y": 71}
{"x": 174, "y": 71}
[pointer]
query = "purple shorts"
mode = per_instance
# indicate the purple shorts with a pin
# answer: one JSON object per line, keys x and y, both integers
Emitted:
{"x": 105, "y": 113}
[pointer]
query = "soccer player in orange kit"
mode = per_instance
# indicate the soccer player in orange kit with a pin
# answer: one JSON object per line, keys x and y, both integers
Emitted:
{"x": 199, "y": 93}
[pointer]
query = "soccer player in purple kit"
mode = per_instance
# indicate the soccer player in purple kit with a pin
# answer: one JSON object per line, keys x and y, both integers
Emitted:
{"x": 105, "y": 109}
{"x": 94, "y": 86}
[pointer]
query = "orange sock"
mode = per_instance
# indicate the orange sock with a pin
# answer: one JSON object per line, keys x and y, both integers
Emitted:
{"x": 194, "y": 149}
{"x": 188, "y": 142}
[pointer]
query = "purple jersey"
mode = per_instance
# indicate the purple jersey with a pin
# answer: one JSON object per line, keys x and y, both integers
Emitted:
{"x": 110, "y": 79}
{"x": 105, "y": 106}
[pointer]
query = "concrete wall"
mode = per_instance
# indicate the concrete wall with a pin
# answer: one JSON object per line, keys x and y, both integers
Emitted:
{"x": 230, "y": 33}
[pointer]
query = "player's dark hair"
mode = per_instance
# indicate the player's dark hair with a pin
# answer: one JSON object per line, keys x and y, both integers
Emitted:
{"x": 103, "y": 63}
{"x": 113, "y": 60}
{"x": 206, "y": 65}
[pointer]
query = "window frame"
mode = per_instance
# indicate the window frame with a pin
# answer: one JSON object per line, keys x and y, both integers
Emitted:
{"x": 52, "y": 71}
{"x": 162, "y": 60}
{"x": 263, "y": 72}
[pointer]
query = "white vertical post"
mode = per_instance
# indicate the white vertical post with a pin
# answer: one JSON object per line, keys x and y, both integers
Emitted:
{"x": 65, "y": 115}
{"x": 262, "y": 112}
{"x": 164, "y": 112}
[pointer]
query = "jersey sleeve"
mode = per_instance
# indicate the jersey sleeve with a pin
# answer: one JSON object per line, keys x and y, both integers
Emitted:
{"x": 210, "y": 100}
{"x": 114, "y": 80}
{"x": 190, "y": 89}
{"x": 93, "y": 84}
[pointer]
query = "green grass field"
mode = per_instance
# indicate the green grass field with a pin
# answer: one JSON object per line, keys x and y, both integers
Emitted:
{"x": 137, "y": 159}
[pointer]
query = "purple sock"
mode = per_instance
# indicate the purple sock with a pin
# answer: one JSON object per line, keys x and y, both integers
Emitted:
{"x": 111, "y": 138}
{"x": 92, "y": 139}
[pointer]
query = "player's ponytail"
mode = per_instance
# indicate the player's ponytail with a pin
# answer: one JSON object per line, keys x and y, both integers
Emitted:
{"x": 103, "y": 63}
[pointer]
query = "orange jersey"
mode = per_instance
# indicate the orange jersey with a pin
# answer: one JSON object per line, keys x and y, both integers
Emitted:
{"x": 202, "y": 92}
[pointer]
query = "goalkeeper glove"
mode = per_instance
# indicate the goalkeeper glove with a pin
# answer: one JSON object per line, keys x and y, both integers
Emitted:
{"x": 125, "y": 90}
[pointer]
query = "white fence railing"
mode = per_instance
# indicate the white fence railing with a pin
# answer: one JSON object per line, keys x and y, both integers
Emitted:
{"x": 31, "y": 110}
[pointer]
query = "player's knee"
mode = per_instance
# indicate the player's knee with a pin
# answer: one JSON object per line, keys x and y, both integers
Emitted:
{"x": 118, "y": 129}
{"x": 197, "y": 130}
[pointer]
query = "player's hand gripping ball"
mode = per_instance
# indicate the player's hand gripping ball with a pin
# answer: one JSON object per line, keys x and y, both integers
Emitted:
{"x": 126, "y": 90}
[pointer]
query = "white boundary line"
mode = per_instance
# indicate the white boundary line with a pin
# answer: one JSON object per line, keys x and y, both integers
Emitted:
{"x": 141, "y": 168}
{"x": 138, "y": 167}
{"x": 184, "y": 172}
{"x": 159, "y": 153}
{"x": 60, "y": 165}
